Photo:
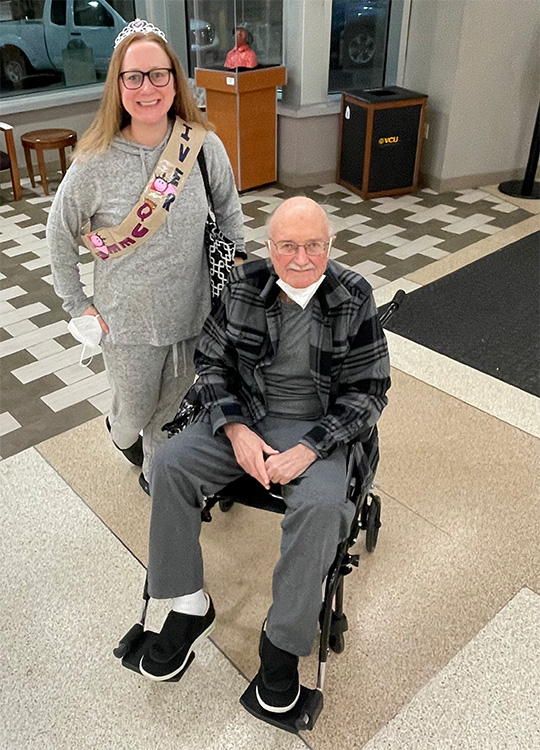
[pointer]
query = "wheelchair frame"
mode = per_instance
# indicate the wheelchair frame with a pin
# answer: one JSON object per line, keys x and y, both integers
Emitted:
{"x": 333, "y": 621}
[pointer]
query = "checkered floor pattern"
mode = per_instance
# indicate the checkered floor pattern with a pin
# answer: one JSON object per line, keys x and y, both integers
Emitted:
{"x": 44, "y": 389}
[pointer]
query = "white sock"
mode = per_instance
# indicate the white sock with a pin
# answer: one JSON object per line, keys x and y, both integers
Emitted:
{"x": 192, "y": 604}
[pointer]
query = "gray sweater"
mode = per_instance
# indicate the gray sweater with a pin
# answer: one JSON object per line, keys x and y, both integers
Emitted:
{"x": 159, "y": 294}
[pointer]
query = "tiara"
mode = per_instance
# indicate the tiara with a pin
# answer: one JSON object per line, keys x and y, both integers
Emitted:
{"x": 138, "y": 26}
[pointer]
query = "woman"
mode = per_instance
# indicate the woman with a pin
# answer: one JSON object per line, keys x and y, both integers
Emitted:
{"x": 137, "y": 163}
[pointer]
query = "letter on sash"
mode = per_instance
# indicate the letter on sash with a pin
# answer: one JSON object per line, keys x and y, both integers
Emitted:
{"x": 185, "y": 134}
{"x": 183, "y": 152}
{"x": 169, "y": 200}
{"x": 144, "y": 211}
{"x": 139, "y": 231}
{"x": 175, "y": 179}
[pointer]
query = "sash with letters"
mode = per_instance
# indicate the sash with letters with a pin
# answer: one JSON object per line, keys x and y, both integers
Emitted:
{"x": 152, "y": 208}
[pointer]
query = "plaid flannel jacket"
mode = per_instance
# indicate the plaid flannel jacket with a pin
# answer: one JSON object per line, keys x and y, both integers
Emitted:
{"x": 348, "y": 355}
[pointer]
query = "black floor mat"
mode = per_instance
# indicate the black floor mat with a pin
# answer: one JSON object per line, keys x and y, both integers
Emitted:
{"x": 485, "y": 315}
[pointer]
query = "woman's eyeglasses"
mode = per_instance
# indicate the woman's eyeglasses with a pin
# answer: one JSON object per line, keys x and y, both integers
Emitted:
{"x": 134, "y": 79}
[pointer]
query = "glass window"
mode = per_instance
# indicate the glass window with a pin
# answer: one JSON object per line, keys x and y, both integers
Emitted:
{"x": 26, "y": 9}
{"x": 58, "y": 12}
{"x": 214, "y": 27}
{"x": 91, "y": 13}
{"x": 358, "y": 44}
{"x": 54, "y": 44}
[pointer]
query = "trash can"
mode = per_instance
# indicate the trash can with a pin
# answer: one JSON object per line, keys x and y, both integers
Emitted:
{"x": 380, "y": 140}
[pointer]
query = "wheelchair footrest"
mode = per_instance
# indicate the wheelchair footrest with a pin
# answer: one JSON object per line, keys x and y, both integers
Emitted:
{"x": 132, "y": 658}
{"x": 303, "y": 716}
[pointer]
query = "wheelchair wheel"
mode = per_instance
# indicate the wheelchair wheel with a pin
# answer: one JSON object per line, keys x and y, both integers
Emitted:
{"x": 373, "y": 522}
{"x": 226, "y": 504}
{"x": 337, "y": 643}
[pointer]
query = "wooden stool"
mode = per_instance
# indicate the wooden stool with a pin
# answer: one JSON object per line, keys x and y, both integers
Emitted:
{"x": 39, "y": 140}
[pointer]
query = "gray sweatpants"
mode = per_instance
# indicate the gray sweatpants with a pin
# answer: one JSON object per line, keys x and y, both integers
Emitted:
{"x": 148, "y": 384}
{"x": 195, "y": 464}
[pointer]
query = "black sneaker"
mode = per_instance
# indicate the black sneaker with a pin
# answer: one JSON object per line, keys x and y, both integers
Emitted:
{"x": 277, "y": 684}
{"x": 179, "y": 634}
{"x": 134, "y": 453}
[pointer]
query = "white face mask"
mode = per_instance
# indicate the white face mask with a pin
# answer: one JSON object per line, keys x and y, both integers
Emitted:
{"x": 301, "y": 296}
{"x": 88, "y": 331}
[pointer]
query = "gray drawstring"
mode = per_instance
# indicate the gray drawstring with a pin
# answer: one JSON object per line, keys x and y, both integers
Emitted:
{"x": 175, "y": 359}
{"x": 184, "y": 356}
{"x": 143, "y": 166}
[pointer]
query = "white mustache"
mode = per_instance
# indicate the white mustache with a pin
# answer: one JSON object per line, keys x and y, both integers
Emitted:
{"x": 297, "y": 267}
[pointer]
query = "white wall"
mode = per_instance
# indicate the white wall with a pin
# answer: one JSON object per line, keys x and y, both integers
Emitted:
{"x": 308, "y": 149}
{"x": 306, "y": 42}
{"x": 497, "y": 87}
{"x": 432, "y": 58}
{"x": 479, "y": 63}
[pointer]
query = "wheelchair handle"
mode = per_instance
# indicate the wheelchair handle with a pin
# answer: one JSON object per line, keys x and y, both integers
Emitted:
{"x": 394, "y": 305}
{"x": 399, "y": 296}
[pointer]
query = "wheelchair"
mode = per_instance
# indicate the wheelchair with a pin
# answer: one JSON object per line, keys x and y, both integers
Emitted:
{"x": 332, "y": 620}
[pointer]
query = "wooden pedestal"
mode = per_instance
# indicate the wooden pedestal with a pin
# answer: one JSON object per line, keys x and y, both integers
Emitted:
{"x": 242, "y": 106}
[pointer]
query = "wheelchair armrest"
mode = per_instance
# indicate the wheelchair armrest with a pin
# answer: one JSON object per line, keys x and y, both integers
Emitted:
{"x": 362, "y": 460}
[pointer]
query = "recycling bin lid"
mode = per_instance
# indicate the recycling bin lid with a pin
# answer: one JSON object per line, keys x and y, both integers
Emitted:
{"x": 384, "y": 94}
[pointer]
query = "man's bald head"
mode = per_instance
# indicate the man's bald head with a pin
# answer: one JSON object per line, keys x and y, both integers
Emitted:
{"x": 298, "y": 220}
{"x": 303, "y": 207}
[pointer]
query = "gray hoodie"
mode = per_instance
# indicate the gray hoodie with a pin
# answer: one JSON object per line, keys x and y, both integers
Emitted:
{"x": 159, "y": 294}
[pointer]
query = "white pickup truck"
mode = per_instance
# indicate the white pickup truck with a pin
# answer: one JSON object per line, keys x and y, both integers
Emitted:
{"x": 39, "y": 30}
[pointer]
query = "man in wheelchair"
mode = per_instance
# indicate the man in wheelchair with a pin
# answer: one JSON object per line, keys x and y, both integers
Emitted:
{"x": 292, "y": 365}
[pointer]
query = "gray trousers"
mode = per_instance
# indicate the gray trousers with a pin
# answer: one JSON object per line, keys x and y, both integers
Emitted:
{"x": 148, "y": 384}
{"x": 195, "y": 464}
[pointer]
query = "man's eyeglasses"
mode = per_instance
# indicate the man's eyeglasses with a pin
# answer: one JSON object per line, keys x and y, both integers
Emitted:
{"x": 134, "y": 79}
{"x": 312, "y": 247}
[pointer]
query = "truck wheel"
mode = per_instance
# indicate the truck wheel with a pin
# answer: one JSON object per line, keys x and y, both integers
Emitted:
{"x": 14, "y": 66}
{"x": 359, "y": 45}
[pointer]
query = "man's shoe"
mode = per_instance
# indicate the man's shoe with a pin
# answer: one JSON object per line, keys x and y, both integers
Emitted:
{"x": 179, "y": 634}
{"x": 134, "y": 453}
{"x": 144, "y": 483}
{"x": 277, "y": 684}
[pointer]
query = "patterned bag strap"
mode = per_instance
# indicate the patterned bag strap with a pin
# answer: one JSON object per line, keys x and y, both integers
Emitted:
{"x": 204, "y": 172}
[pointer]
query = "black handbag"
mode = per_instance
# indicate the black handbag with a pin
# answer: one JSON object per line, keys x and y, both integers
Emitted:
{"x": 187, "y": 411}
{"x": 220, "y": 250}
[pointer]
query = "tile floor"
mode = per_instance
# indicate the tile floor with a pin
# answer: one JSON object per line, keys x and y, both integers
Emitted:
{"x": 441, "y": 653}
{"x": 385, "y": 239}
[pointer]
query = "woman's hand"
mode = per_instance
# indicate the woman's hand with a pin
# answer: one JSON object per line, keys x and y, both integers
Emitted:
{"x": 92, "y": 311}
{"x": 284, "y": 467}
{"x": 249, "y": 451}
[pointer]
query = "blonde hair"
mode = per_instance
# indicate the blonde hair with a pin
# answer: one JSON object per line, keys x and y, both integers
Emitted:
{"x": 112, "y": 117}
